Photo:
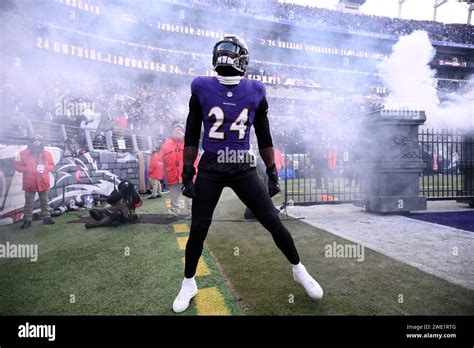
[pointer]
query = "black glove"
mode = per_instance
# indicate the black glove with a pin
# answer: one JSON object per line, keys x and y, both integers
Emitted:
{"x": 273, "y": 187}
{"x": 187, "y": 188}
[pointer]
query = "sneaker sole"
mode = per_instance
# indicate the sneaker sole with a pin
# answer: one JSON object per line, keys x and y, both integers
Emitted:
{"x": 181, "y": 311}
{"x": 316, "y": 297}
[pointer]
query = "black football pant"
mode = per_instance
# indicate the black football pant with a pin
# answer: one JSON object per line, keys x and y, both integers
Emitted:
{"x": 253, "y": 194}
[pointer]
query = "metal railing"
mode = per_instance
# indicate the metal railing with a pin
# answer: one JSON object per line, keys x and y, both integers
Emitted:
{"x": 14, "y": 132}
{"x": 18, "y": 131}
{"x": 122, "y": 141}
{"x": 325, "y": 175}
{"x": 316, "y": 176}
{"x": 449, "y": 158}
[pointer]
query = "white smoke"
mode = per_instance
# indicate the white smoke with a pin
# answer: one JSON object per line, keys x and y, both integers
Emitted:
{"x": 412, "y": 84}
{"x": 457, "y": 111}
{"x": 407, "y": 73}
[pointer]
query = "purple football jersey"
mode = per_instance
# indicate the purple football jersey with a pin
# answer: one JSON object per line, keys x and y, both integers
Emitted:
{"x": 227, "y": 114}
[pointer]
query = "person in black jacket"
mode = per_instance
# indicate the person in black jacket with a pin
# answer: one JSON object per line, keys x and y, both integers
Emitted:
{"x": 121, "y": 206}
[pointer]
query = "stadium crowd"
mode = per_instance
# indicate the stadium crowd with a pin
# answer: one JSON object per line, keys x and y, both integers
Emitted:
{"x": 150, "y": 102}
{"x": 190, "y": 63}
{"x": 458, "y": 33}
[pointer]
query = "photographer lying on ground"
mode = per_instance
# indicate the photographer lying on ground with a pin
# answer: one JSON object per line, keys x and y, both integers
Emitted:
{"x": 120, "y": 209}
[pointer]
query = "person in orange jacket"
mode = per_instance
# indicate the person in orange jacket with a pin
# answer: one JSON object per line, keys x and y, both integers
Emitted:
{"x": 332, "y": 159}
{"x": 172, "y": 154}
{"x": 35, "y": 163}
{"x": 156, "y": 171}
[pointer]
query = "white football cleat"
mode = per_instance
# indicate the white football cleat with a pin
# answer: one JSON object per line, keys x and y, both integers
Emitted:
{"x": 188, "y": 291}
{"x": 301, "y": 275}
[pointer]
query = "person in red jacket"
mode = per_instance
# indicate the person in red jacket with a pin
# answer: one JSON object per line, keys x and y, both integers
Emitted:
{"x": 121, "y": 122}
{"x": 35, "y": 163}
{"x": 172, "y": 154}
{"x": 279, "y": 160}
{"x": 155, "y": 173}
{"x": 332, "y": 163}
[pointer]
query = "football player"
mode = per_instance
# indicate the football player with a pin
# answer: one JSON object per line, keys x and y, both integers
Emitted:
{"x": 228, "y": 105}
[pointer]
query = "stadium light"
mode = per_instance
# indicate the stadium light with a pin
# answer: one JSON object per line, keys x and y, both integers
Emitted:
{"x": 469, "y": 9}
{"x": 437, "y": 4}
{"x": 400, "y": 3}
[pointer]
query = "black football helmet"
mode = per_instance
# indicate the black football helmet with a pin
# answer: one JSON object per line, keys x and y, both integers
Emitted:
{"x": 231, "y": 52}
{"x": 126, "y": 187}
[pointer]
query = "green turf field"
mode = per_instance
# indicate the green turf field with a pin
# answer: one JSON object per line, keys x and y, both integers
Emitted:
{"x": 92, "y": 266}
{"x": 261, "y": 275}
{"x": 247, "y": 274}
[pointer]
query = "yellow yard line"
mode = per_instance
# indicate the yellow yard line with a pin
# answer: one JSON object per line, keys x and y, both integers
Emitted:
{"x": 179, "y": 228}
{"x": 182, "y": 242}
{"x": 209, "y": 301}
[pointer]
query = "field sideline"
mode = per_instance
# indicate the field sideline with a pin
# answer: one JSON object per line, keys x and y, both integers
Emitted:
{"x": 242, "y": 272}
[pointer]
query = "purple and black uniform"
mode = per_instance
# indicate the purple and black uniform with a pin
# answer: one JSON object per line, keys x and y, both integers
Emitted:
{"x": 222, "y": 107}
{"x": 228, "y": 112}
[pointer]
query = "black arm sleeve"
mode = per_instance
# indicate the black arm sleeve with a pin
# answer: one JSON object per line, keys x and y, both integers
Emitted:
{"x": 114, "y": 197}
{"x": 261, "y": 125}
{"x": 193, "y": 122}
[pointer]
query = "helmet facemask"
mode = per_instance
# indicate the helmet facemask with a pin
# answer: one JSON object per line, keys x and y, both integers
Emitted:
{"x": 230, "y": 57}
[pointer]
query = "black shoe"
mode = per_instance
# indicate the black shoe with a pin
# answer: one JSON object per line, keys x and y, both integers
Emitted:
{"x": 48, "y": 221}
{"x": 90, "y": 224}
{"x": 152, "y": 197}
{"x": 25, "y": 224}
{"x": 248, "y": 214}
{"x": 95, "y": 214}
